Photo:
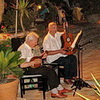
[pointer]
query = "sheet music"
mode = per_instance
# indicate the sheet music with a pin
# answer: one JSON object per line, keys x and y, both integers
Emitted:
{"x": 76, "y": 39}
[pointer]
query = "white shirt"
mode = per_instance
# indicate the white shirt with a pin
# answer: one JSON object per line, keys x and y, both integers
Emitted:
{"x": 26, "y": 51}
{"x": 51, "y": 43}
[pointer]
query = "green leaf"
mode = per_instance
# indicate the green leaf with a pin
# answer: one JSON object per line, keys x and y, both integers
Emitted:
{"x": 20, "y": 61}
{"x": 1, "y": 57}
{"x": 9, "y": 64}
{"x": 5, "y": 62}
{"x": 26, "y": 13}
{"x": 82, "y": 96}
{"x": 10, "y": 55}
{"x": 97, "y": 92}
{"x": 13, "y": 64}
{"x": 17, "y": 71}
{"x": 95, "y": 80}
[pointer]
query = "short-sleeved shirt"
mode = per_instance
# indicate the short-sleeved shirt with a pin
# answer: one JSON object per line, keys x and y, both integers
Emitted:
{"x": 27, "y": 52}
{"x": 51, "y": 43}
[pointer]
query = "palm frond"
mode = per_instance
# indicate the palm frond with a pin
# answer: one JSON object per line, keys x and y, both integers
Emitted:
{"x": 95, "y": 80}
{"x": 82, "y": 96}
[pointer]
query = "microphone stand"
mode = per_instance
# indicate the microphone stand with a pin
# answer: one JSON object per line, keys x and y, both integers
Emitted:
{"x": 79, "y": 83}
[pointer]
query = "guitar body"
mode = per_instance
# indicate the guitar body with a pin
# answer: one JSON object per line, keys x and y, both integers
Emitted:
{"x": 67, "y": 42}
{"x": 34, "y": 58}
{"x": 39, "y": 57}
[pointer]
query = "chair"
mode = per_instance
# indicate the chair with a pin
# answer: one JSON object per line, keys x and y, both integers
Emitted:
{"x": 32, "y": 82}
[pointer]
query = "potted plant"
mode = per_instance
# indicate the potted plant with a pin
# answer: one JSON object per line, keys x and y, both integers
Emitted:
{"x": 10, "y": 72}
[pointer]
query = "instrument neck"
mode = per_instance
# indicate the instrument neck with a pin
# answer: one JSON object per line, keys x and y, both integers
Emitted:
{"x": 65, "y": 28}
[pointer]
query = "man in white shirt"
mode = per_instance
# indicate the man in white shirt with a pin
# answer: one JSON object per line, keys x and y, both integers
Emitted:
{"x": 56, "y": 54}
{"x": 28, "y": 51}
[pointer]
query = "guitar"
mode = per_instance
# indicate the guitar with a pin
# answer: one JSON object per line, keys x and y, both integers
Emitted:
{"x": 34, "y": 58}
{"x": 38, "y": 57}
{"x": 67, "y": 40}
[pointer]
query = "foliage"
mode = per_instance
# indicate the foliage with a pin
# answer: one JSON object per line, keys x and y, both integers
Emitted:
{"x": 82, "y": 96}
{"x": 3, "y": 29}
{"x": 5, "y": 45}
{"x": 26, "y": 15}
{"x": 97, "y": 85}
{"x": 28, "y": 24}
{"x": 9, "y": 20}
{"x": 96, "y": 89}
{"x": 23, "y": 5}
{"x": 9, "y": 62}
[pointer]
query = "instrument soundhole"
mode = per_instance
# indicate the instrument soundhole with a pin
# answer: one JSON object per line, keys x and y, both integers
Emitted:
{"x": 68, "y": 39}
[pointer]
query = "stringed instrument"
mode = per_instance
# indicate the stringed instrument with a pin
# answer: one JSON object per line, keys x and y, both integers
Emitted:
{"x": 67, "y": 40}
{"x": 38, "y": 57}
{"x": 34, "y": 58}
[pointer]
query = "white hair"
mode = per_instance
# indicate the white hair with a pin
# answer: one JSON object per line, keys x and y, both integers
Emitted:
{"x": 31, "y": 36}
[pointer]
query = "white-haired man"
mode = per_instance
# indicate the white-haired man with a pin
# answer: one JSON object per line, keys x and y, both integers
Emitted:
{"x": 52, "y": 80}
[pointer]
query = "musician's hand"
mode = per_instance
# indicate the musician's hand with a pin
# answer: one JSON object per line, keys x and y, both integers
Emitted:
{"x": 44, "y": 54}
{"x": 74, "y": 51}
{"x": 36, "y": 63}
{"x": 32, "y": 64}
{"x": 62, "y": 51}
{"x": 65, "y": 25}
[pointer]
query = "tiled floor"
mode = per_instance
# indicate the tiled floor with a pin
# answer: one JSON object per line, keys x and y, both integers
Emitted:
{"x": 90, "y": 64}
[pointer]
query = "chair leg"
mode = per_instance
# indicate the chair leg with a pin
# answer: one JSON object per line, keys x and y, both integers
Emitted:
{"x": 43, "y": 95}
{"x": 59, "y": 73}
{"x": 21, "y": 90}
{"x": 45, "y": 87}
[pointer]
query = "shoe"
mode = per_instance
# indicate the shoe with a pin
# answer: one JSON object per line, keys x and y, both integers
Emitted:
{"x": 64, "y": 91}
{"x": 68, "y": 81}
{"x": 58, "y": 95}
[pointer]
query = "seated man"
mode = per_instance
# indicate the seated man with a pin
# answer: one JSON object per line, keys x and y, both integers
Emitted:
{"x": 56, "y": 54}
{"x": 28, "y": 51}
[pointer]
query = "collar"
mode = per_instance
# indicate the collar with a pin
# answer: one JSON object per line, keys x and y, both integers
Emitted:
{"x": 27, "y": 45}
{"x": 51, "y": 35}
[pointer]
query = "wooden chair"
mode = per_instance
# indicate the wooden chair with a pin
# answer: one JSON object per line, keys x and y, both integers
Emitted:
{"x": 32, "y": 82}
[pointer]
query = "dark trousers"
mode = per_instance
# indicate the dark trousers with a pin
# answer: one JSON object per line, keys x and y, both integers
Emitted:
{"x": 70, "y": 66}
{"x": 48, "y": 73}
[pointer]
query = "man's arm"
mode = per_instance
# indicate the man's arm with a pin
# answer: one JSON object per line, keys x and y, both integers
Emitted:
{"x": 48, "y": 49}
{"x": 56, "y": 52}
{"x": 27, "y": 64}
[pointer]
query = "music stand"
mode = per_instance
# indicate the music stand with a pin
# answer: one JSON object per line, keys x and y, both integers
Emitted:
{"x": 79, "y": 83}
